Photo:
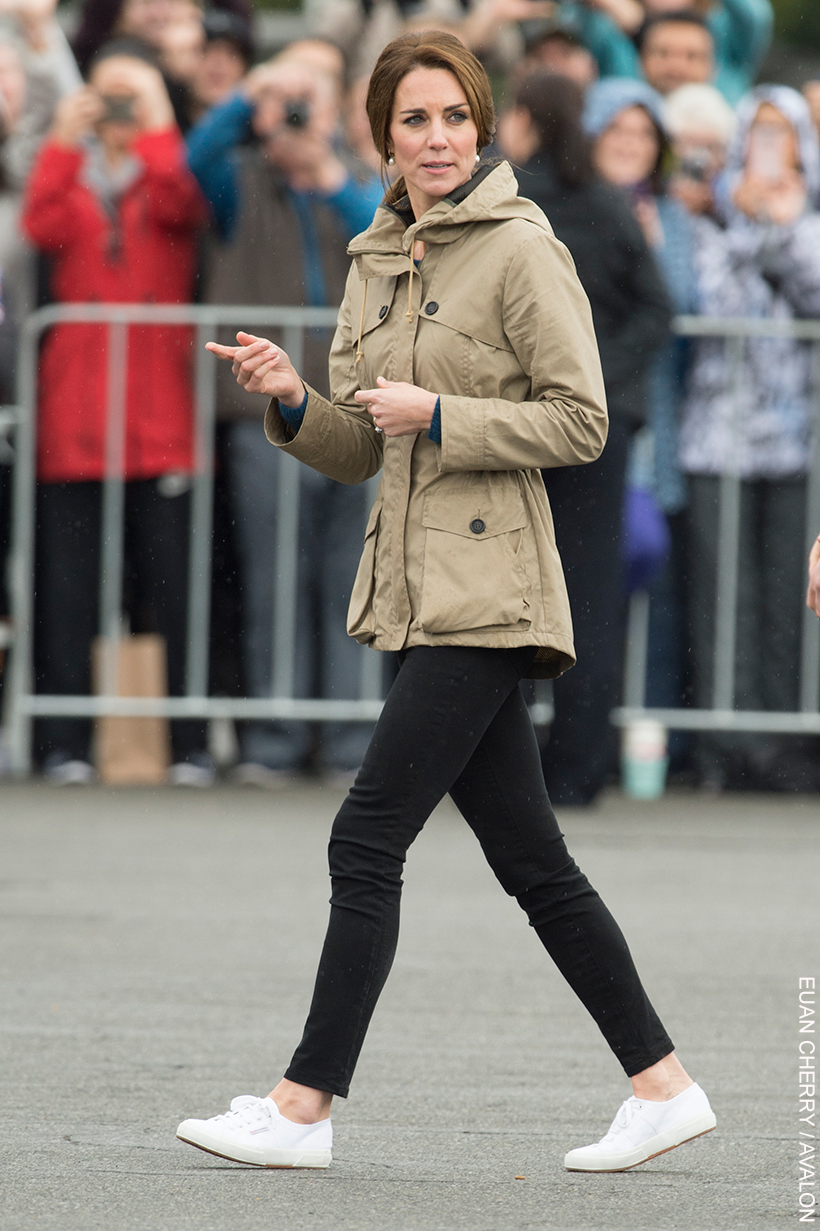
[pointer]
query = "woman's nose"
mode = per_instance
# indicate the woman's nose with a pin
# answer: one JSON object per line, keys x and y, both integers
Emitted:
{"x": 437, "y": 137}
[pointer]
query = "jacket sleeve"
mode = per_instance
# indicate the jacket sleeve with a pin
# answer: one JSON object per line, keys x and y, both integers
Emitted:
{"x": 212, "y": 144}
{"x": 548, "y": 322}
{"x": 52, "y": 214}
{"x": 337, "y": 438}
{"x": 743, "y": 30}
{"x": 627, "y": 353}
{"x": 613, "y": 50}
{"x": 356, "y": 203}
{"x": 790, "y": 260}
{"x": 174, "y": 199}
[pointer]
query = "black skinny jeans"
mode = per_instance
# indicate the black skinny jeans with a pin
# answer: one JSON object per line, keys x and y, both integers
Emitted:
{"x": 455, "y": 721}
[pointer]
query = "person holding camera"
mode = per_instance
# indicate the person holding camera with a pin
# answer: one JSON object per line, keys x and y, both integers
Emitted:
{"x": 757, "y": 254}
{"x": 283, "y": 207}
{"x": 112, "y": 204}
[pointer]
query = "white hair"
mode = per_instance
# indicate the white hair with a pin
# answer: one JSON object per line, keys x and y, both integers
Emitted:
{"x": 701, "y": 107}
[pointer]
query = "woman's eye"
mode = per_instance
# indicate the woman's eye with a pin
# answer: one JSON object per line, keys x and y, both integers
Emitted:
{"x": 411, "y": 119}
{"x": 458, "y": 116}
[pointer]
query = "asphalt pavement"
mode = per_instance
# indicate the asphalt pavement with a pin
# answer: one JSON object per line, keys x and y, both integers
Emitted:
{"x": 157, "y": 958}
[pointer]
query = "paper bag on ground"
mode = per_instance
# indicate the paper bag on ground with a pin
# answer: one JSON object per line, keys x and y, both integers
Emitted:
{"x": 133, "y": 751}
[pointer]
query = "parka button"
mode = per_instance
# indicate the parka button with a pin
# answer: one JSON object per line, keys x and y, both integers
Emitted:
{"x": 478, "y": 526}
{"x": 382, "y": 311}
{"x": 431, "y": 307}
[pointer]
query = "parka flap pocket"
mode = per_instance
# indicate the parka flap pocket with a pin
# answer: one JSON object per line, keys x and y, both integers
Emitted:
{"x": 479, "y": 518}
{"x": 475, "y": 324}
{"x": 473, "y": 577}
{"x": 380, "y": 293}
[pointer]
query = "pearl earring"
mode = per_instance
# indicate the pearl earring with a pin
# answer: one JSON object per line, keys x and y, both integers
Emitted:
{"x": 478, "y": 158}
{"x": 390, "y": 161}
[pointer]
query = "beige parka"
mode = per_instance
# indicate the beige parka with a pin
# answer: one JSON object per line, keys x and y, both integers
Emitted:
{"x": 459, "y": 547}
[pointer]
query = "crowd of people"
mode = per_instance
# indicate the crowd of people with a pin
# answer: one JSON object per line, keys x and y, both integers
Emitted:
{"x": 160, "y": 157}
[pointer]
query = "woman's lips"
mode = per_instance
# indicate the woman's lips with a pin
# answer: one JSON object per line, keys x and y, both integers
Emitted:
{"x": 436, "y": 168}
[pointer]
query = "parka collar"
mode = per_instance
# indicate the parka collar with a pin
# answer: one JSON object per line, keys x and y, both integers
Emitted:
{"x": 385, "y": 248}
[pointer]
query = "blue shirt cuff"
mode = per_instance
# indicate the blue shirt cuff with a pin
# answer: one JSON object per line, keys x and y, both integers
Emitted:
{"x": 293, "y": 415}
{"x": 435, "y": 424}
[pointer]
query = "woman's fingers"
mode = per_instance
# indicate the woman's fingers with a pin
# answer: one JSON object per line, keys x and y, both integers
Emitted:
{"x": 248, "y": 345}
{"x": 221, "y": 352}
{"x": 253, "y": 379}
{"x": 250, "y": 366}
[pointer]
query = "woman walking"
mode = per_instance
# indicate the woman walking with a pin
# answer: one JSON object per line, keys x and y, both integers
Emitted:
{"x": 464, "y": 361}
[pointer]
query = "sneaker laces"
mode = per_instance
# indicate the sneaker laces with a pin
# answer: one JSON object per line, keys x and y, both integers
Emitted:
{"x": 624, "y": 1117}
{"x": 246, "y": 1109}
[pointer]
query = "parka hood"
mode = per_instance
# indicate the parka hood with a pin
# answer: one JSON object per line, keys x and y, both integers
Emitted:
{"x": 386, "y": 247}
{"x": 794, "y": 107}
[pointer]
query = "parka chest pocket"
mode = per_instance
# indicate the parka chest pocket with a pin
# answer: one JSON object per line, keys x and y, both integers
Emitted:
{"x": 473, "y": 574}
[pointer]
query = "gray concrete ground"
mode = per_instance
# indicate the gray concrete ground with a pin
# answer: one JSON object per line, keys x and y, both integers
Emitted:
{"x": 158, "y": 951}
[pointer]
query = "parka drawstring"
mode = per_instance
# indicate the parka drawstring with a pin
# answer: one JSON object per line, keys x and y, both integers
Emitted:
{"x": 409, "y": 313}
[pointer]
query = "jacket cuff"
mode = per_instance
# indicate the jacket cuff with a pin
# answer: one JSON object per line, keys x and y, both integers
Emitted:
{"x": 293, "y": 415}
{"x": 435, "y": 424}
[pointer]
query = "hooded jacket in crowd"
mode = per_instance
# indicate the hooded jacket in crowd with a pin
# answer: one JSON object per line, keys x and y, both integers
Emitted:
{"x": 750, "y": 268}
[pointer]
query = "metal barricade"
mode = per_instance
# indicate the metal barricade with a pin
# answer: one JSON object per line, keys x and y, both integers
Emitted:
{"x": 21, "y": 703}
{"x": 722, "y": 716}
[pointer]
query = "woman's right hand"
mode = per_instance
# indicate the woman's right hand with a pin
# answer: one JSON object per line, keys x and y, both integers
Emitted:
{"x": 75, "y": 116}
{"x": 261, "y": 367}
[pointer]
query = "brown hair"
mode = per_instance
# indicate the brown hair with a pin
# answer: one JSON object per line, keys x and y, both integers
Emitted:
{"x": 425, "y": 49}
{"x": 555, "y": 105}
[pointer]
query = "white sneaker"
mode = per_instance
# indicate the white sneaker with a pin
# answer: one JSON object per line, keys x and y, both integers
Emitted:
{"x": 255, "y": 1131}
{"x": 198, "y": 770}
{"x": 643, "y": 1129}
{"x": 251, "y": 773}
{"x": 60, "y": 770}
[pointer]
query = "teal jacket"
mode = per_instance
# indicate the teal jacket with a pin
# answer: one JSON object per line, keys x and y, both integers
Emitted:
{"x": 742, "y": 30}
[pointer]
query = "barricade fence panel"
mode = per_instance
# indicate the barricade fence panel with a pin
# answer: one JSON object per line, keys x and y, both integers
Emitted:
{"x": 22, "y": 704}
{"x": 723, "y": 715}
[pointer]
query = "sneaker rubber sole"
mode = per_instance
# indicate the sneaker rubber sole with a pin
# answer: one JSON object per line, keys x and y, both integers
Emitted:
{"x": 662, "y": 1144}
{"x": 259, "y": 1158}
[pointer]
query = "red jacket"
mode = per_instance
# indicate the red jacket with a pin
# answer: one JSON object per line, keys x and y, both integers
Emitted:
{"x": 149, "y": 256}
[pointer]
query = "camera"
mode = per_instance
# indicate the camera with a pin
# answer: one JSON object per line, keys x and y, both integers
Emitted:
{"x": 119, "y": 108}
{"x": 297, "y": 113}
{"x": 696, "y": 166}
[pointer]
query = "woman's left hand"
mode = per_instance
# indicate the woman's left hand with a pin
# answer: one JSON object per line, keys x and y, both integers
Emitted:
{"x": 399, "y": 408}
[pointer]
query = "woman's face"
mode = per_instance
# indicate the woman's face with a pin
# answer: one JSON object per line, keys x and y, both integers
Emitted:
{"x": 626, "y": 152}
{"x": 149, "y": 19}
{"x": 433, "y": 136}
